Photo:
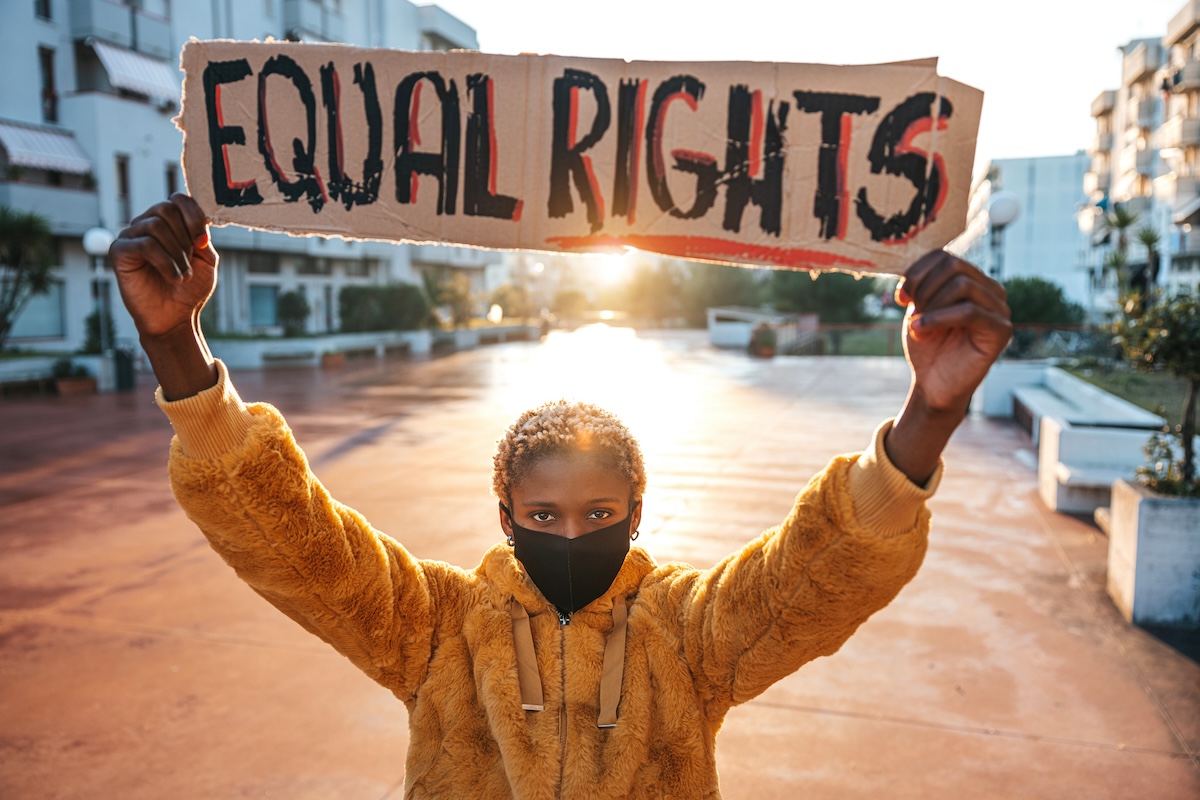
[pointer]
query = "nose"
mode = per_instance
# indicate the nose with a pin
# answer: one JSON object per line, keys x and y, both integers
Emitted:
{"x": 574, "y": 528}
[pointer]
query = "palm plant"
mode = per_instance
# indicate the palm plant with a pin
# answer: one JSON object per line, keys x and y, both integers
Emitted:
{"x": 25, "y": 260}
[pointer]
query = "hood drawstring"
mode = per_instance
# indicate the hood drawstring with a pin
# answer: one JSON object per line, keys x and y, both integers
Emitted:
{"x": 610, "y": 678}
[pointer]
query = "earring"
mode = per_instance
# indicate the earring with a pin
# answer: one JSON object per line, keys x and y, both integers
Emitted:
{"x": 510, "y": 541}
{"x": 635, "y": 535}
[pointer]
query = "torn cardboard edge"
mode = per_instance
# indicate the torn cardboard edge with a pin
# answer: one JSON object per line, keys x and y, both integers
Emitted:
{"x": 860, "y": 168}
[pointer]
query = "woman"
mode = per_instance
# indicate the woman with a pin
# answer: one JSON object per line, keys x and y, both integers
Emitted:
{"x": 567, "y": 664}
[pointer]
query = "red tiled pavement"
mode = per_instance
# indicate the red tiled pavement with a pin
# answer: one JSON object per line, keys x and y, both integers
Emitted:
{"x": 133, "y": 664}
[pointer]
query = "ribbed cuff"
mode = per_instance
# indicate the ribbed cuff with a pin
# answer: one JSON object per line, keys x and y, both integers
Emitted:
{"x": 209, "y": 423}
{"x": 885, "y": 499}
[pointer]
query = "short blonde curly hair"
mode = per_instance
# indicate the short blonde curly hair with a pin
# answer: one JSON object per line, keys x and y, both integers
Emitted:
{"x": 560, "y": 427}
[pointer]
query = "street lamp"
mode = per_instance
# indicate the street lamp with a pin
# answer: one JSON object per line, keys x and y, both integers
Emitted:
{"x": 1002, "y": 209}
{"x": 96, "y": 242}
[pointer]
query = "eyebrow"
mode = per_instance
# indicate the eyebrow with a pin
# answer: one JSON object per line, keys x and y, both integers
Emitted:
{"x": 548, "y": 504}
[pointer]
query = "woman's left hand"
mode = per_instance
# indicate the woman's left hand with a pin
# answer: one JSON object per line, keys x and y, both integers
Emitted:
{"x": 957, "y": 325}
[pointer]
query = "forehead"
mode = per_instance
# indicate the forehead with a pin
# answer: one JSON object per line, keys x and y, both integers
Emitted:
{"x": 571, "y": 477}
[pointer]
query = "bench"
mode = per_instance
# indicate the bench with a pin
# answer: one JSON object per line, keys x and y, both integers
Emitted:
{"x": 1077, "y": 464}
{"x": 1062, "y": 395}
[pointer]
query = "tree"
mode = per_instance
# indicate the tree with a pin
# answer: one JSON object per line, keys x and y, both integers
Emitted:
{"x": 832, "y": 296}
{"x": 653, "y": 291}
{"x": 570, "y": 303}
{"x": 708, "y": 285}
{"x": 1120, "y": 220}
{"x": 513, "y": 299}
{"x": 1037, "y": 301}
{"x": 293, "y": 311}
{"x": 1144, "y": 278}
{"x": 1164, "y": 333}
{"x": 25, "y": 260}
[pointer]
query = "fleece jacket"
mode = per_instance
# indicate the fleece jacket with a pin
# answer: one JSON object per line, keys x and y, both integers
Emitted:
{"x": 441, "y": 638}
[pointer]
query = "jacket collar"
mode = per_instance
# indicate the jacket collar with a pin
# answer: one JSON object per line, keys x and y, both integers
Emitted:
{"x": 501, "y": 568}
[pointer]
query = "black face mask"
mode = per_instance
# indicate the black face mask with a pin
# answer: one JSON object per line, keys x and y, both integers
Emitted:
{"x": 571, "y": 573}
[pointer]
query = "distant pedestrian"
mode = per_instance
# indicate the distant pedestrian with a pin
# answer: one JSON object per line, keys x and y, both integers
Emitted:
{"x": 567, "y": 664}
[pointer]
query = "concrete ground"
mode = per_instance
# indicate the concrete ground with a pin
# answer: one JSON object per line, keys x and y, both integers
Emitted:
{"x": 133, "y": 664}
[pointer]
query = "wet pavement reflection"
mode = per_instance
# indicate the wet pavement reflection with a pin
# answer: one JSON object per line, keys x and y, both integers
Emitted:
{"x": 133, "y": 664}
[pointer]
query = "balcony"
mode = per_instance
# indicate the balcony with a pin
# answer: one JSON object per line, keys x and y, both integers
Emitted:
{"x": 1145, "y": 111}
{"x": 1103, "y": 143}
{"x": 1096, "y": 182}
{"x": 444, "y": 31}
{"x": 70, "y": 212}
{"x": 1181, "y": 132}
{"x": 103, "y": 19}
{"x": 1141, "y": 62}
{"x": 459, "y": 257}
{"x": 1186, "y": 78}
{"x": 120, "y": 24}
{"x": 1183, "y": 24}
{"x": 304, "y": 20}
{"x": 1104, "y": 103}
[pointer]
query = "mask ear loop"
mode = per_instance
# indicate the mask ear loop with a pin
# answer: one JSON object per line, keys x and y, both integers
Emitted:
{"x": 504, "y": 508}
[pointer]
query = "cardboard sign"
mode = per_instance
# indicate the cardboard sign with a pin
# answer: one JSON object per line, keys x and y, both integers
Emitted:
{"x": 781, "y": 165}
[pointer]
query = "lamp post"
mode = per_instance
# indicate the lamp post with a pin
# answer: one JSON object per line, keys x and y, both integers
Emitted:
{"x": 96, "y": 242}
{"x": 1002, "y": 209}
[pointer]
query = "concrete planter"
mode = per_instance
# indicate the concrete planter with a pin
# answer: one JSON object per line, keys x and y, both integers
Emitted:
{"x": 1154, "y": 557}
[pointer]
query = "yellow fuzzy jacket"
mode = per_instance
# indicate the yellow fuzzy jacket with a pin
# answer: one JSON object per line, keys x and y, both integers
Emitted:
{"x": 441, "y": 638}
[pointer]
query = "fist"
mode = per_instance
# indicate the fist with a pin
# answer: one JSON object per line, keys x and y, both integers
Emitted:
{"x": 165, "y": 266}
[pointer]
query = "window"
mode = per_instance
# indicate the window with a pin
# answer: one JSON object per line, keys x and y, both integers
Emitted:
{"x": 41, "y": 8}
{"x": 172, "y": 175}
{"x": 124, "y": 203}
{"x": 264, "y": 306}
{"x": 262, "y": 263}
{"x": 308, "y": 265}
{"x": 43, "y": 315}
{"x": 49, "y": 93}
{"x": 359, "y": 269}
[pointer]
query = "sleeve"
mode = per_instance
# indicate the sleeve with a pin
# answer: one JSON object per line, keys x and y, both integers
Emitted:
{"x": 240, "y": 476}
{"x": 855, "y": 536}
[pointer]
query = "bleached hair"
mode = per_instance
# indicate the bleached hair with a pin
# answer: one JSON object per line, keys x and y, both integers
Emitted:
{"x": 563, "y": 427}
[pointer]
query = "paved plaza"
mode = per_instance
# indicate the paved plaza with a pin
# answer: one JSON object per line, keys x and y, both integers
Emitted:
{"x": 134, "y": 664}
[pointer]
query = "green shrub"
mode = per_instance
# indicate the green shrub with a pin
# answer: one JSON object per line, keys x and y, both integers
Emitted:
{"x": 398, "y": 307}
{"x": 293, "y": 311}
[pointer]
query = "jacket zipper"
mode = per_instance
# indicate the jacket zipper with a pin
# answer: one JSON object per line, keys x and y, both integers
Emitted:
{"x": 563, "y": 621}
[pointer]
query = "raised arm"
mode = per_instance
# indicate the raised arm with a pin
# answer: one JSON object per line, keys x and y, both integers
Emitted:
{"x": 857, "y": 533}
{"x": 240, "y": 476}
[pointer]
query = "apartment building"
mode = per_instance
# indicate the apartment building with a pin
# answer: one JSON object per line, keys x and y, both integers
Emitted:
{"x": 87, "y": 140}
{"x": 1146, "y": 157}
{"x": 1043, "y": 240}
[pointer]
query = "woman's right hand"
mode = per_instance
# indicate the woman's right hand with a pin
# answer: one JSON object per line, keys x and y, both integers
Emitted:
{"x": 166, "y": 267}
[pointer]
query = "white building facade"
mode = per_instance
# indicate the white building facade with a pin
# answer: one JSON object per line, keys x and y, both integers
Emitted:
{"x": 1146, "y": 158}
{"x": 87, "y": 140}
{"x": 1043, "y": 240}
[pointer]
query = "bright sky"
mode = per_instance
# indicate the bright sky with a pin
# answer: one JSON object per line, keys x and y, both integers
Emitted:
{"x": 1039, "y": 62}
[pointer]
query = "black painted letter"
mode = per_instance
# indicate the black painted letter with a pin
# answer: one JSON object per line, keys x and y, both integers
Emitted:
{"x": 892, "y": 152}
{"x": 221, "y": 135}
{"x": 567, "y": 157}
{"x": 479, "y": 179}
{"x": 306, "y": 182}
{"x": 702, "y": 165}
{"x": 746, "y": 137}
{"x": 341, "y": 186}
{"x": 443, "y": 165}
{"x": 835, "y": 146}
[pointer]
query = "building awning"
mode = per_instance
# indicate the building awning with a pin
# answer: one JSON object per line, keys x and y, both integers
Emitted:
{"x": 1188, "y": 212}
{"x": 39, "y": 148}
{"x": 138, "y": 73}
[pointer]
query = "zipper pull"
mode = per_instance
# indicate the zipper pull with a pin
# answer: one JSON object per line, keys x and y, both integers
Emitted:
{"x": 563, "y": 619}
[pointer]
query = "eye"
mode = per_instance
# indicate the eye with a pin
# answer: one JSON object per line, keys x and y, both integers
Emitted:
{"x": 600, "y": 513}
{"x": 541, "y": 516}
